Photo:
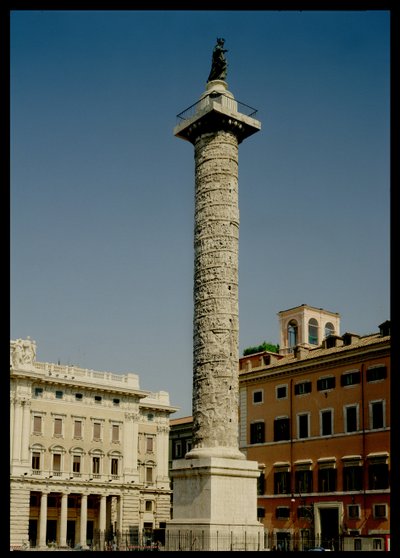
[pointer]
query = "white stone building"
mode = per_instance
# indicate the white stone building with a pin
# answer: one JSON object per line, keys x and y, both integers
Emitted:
{"x": 88, "y": 455}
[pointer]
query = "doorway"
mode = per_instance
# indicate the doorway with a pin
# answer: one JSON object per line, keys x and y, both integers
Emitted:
{"x": 329, "y": 518}
{"x": 71, "y": 533}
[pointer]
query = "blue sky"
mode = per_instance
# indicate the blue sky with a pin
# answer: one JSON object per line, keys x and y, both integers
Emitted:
{"x": 102, "y": 193}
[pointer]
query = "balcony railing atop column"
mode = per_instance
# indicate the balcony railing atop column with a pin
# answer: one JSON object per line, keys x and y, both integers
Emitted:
{"x": 220, "y": 99}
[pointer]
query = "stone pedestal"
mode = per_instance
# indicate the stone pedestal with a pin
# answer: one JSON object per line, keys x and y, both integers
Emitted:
{"x": 214, "y": 505}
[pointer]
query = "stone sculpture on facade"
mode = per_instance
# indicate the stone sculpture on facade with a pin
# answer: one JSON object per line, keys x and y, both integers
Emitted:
{"x": 23, "y": 353}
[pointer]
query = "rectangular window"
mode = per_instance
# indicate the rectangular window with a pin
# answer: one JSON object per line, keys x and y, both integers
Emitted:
{"x": 76, "y": 463}
{"x": 96, "y": 431}
{"x": 282, "y": 512}
{"x": 353, "y": 511}
{"x": 281, "y": 429}
{"x": 116, "y": 402}
{"x": 59, "y": 394}
{"x": 77, "y": 429}
{"x": 303, "y": 481}
{"x": 351, "y": 418}
{"x": 114, "y": 466}
{"x": 352, "y": 478}
{"x": 326, "y": 423}
{"x": 149, "y": 444}
{"x": 149, "y": 474}
{"x": 38, "y": 392}
{"x": 303, "y": 425}
{"x": 380, "y": 511}
{"x": 282, "y": 482}
{"x": 57, "y": 462}
{"x": 378, "y": 476}
{"x": 177, "y": 453}
{"x": 115, "y": 432}
{"x": 96, "y": 465}
{"x": 57, "y": 427}
{"x": 327, "y": 480}
{"x": 97, "y": 398}
{"x": 261, "y": 484}
{"x": 326, "y": 383}
{"x": 377, "y": 544}
{"x": 350, "y": 378}
{"x": 377, "y": 415}
{"x": 37, "y": 425}
{"x": 376, "y": 373}
{"x": 281, "y": 392}
{"x": 78, "y": 396}
{"x": 302, "y": 388}
{"x": 258, "y": 396}
{"x": 257, "y": 433}
{"x": 357, "y": 544}
{"x": 148, "y": 505}
{"x": 36, "y": 460}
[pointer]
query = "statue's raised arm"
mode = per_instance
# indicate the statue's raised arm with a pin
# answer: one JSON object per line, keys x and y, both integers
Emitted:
{"x": 219, "y": 64}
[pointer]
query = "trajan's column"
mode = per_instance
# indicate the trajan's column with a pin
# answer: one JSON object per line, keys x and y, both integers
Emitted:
{"x": 215, "y": 487}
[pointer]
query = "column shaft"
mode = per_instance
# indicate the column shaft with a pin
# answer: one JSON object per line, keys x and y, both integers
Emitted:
{"x": 17, "y": 430}
{"x": 63, "y": 520}
{"x": 83, "y": 530}
{"x": 25, "y": 432}
{"x": 216, "y": 314}
{"x": 43, "y": 519}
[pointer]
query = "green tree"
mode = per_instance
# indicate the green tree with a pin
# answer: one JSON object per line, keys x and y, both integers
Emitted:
{"x": 263, "y": 347}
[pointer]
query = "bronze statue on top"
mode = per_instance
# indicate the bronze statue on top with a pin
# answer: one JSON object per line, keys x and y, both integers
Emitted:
{"x": 219, "y": 64}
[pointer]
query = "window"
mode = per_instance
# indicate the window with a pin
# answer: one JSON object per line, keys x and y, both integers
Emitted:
{"x": 114, "y": 466}
{"x": 327, "y": 479}
{"x": 352, "y": 477}
{"x": 258, "y": 396}
{"x": 148, "y": 505}
{"x": 282, "y": 482}
{"x": 282, "y": 512}
{"x": 116, "y": 402}
{"x": 281, "y": 429}
{"x": 149, "y": 474}
{"x": 292, "y": 334}
{"x": 303, "y": 481}
{"x": 376, "y": 373}
{"x": 38, "y": 392}
{"x": 115, "y": 432}
{"x": 77, "y": 429}
{"x": 326, "y": 423}
{"x": 36, "y": 460}
{"x": 261, "y": 484}
{"x": 353, "y": 511}
{"x": 302, "y": 388}
{"x": 378, "y": 475}
{"x": 57, "y": 462}
{"x": 377, "y": 544}
{"x": 302, "y": 425}
{"x": 351, "y": 416}
{"x": 76, "y": 463}
{"x": 149, "y": 444}
{"x": 281, "y": 392}
{"x": 313, "y": 331}
{"x": 257, "y": 433}
{"x": 177, "y": 449}
{"x": 376, "y": 415}
{"x": 329, "y": 329}
{"x": 78, "y": 396}
{"x": 357, "y": 544}
{"x": 59, "y": 394}
{"x": 260, "y": 512}
{"x": 96, "y": 465}
{"x": 326, "y": 383}
{"x": 350, "y": 378}
{"x": 37, "y": 424}
{"x": 97, "y": 398}
{"x": 380, "y": 511}
{"x": 150, "y": 417}
{"x": 97, "y": 431}
{"x": 57, "y": 427}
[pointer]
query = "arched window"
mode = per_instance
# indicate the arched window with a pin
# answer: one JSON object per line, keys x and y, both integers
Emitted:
{"x": 292, "y": 334}
{"x": 313, "y": 331}
{"x": 329, "y": 329}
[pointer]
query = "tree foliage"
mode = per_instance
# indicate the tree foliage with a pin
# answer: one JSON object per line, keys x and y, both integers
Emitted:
{"x": 263, "y": 347}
